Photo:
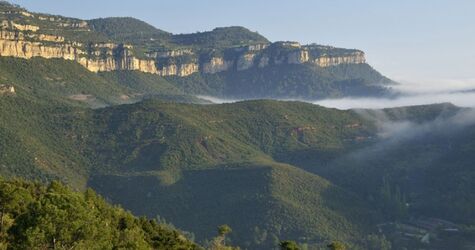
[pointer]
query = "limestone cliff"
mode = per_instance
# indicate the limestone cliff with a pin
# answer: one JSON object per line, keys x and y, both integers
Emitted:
{"x": 27, "y": 50}
{"x": 298, "y": 57}
{"x": 216, "y": 64}
{"x": 7, "y": 89}
{"x": 40, "y": 35}
{"x": 110, "y": 56}
{"x": 327, "y": 61}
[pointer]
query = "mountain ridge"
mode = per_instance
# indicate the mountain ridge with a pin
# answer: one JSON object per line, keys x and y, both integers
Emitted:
{"x": 111, "y": 44}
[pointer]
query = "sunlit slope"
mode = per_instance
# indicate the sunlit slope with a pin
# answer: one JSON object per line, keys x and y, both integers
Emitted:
{"x": 71, "y": 83}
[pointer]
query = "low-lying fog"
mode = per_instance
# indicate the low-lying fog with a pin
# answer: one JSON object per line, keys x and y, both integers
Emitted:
{"x": 397, "y": 132}
{"x": 460, "y": 93}
{"x": 458, "y": 99}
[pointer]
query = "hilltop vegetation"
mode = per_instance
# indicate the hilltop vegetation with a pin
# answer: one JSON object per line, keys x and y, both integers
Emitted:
{"x": 38, "y": 217}
{"x": 126, "y": 29}
{"x": 218, "y": 38}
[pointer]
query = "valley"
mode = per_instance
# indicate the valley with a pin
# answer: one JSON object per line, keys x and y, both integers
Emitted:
{"x": 120, "y": 107}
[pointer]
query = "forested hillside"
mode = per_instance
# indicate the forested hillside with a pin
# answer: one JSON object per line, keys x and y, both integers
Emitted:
{"x": 34, "y": 216}
{"x": 163, "y": 157}
{"x": 288, "y": 174}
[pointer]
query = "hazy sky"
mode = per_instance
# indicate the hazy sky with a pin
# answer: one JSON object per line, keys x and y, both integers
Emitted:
{"x": 409, "y": 40}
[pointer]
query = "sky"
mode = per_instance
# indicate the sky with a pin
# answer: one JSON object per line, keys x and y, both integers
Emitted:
{"x": 429, "y": 42}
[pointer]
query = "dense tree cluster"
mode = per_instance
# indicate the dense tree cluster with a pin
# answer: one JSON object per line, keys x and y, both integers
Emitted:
{"x": 34, "y": 216}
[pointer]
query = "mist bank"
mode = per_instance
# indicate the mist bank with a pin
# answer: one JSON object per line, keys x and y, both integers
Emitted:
{"x": 458, "y": 92}
{"x": 432, "y": 86}
{"x": 459, "y": 99}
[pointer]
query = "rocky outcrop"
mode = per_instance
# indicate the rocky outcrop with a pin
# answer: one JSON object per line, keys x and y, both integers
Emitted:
{"x": 50, "y": 38}
{"x": 8, "y": 35}
{"x": 321, "y": 56}
{"x": 112, "y": 64}
{"x": 81, "y": 24}
{"x": 7, "y": 89}
{"x": 11, "y": 35}
{"x": 178, "y": 69}
{"x": 27, "y": 50}
{"x": 187, "y": 69}
{"x": 215, "y": 65}
{"x": 354, "y": 58}
{"x": 116, "y": 57}
{"x": 27, "y": 14}
{"x": 28, "y": 35}
{"x": 298, "y": 57}
{"x": 25, "y": 41}
{"x": 257, "y": 47}
{"x": 171, "y": 53}
{"x": 24, "y": 27}
{"x": 17, "y": 26}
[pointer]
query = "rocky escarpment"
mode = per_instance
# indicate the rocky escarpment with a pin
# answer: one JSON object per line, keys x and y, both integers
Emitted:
{"x": 110, "y": 57}
{"x": 7, "y": 89}
{"x": 27, "y": 35}
{"x": 263, "y": 55}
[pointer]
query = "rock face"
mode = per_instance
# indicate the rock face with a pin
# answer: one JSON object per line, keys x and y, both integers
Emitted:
{"x": 298, "y": 57}
{"x": 25, "y": 40}
{"x": 327, "y": 61}
{"x": 170, "y": 53}
{"x": 110, "y": 57}
{"x": 216, "y": 64}
{"x": 25, "y": 27}
{"x": 187, "y": 69}
{"x": 245, "y": 61}
{"x": 27, "y": 50}
{"x": 7, "y": 89}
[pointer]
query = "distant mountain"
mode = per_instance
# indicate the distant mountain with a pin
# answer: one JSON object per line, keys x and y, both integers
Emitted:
{"x": 227, "y": 62}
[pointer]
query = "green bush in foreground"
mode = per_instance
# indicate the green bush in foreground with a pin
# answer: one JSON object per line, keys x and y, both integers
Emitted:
{"x": 37, "y": 217}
